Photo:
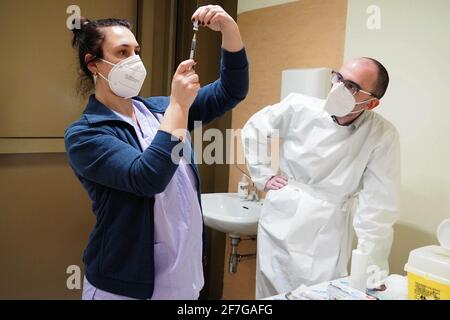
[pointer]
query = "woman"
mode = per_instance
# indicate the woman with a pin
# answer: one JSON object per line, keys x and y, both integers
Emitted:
{"x": 147, "y": 240}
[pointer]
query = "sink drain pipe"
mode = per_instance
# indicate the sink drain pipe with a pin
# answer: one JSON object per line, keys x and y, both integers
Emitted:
{"x": 235, "y": 257}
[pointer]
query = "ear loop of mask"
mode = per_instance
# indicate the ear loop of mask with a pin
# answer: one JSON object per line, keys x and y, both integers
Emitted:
{"x": 103, "y": 77}
{"x": 99, "y": 74}
{"x": 358, "y": 103}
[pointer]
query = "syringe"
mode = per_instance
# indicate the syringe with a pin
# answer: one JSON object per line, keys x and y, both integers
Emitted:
{"x": 194, "y": 41}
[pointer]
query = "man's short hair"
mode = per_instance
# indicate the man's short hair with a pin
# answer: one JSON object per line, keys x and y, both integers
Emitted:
{"x": 382, "y": 82}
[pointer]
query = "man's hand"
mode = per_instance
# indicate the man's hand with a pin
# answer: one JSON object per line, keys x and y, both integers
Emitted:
{"x": 276, "y": 183}
{"x": 216, "y": 18}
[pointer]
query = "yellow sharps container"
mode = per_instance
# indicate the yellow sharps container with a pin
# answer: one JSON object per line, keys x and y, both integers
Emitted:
{"x": 429, "y": 274}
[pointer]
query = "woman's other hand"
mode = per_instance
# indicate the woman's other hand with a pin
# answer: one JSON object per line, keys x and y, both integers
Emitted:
{"x": 185, "y": 85}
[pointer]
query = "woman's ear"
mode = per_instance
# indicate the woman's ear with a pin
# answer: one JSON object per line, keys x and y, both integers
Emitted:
{"x": 88, "y": 59}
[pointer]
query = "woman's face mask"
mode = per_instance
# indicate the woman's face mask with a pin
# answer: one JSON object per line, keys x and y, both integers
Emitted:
{"x": 340, "y": 102}
{"x": 126, "y": 77}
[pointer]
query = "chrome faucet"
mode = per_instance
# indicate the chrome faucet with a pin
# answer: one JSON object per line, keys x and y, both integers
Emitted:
{"x": 253, "y": 195}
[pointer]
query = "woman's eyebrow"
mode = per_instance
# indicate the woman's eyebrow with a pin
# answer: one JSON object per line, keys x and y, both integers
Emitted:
{"x": 138, "y": 47}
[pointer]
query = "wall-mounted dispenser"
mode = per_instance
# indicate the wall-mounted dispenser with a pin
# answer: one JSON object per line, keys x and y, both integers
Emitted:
{"x": 315, "y": 82}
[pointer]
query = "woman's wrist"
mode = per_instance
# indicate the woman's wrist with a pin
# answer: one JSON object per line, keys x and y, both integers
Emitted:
{"x": 178, "y": 107}
{"x": 231, "y": 38}
{"x": 175, "y": 120}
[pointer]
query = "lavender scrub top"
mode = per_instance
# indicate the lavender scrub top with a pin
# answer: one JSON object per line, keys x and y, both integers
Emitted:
{"x": 178, "y": 227}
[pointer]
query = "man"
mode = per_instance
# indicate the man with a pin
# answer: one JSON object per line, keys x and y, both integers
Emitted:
{"x": 333, "y": 151}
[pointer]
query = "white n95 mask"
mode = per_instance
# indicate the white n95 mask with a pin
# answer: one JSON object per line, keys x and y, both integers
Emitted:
{"x": 126, "y": 77}
{"x": 340, "y": 102}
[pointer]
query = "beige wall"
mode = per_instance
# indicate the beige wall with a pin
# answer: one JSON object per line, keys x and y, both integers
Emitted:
{"x": 45, "y": 214}
{"x": 45, "y": 221}
{"x": 37, "y": 87}
{"x": 413, "y": 44}
{"x": 301, "y": 34}
{"x": 249, "y": 5}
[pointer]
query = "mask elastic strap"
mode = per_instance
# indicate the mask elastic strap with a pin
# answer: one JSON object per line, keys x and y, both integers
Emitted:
{"x": 95, "y": 78}
{"x": 110, "y": 63}
{"x": 357, "y": 112}
{"x": 103, "y": 77}
{"x": 359, "y": 103}
{"x": 362, "y": 102}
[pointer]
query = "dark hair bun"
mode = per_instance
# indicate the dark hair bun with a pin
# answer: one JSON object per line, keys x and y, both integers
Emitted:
{"x": 84, "y": 21}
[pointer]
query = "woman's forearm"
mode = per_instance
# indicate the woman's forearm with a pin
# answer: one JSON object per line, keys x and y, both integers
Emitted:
{"x": 175, "y": 121}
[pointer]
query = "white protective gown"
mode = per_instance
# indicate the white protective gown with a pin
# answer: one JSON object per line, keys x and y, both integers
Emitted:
{"x": 304, "y": 234}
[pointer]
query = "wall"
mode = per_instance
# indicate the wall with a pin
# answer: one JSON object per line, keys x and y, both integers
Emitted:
{"x": 413, "y": 45}
{"x": 39, "y": 78}
{"x": 249, "y": 5}
{"x": 45, "y": 221}
{"x": 301, "y": 34}
{"x": 45, "y": 215}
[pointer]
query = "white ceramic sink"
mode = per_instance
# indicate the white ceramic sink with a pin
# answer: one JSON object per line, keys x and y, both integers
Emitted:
{"x": 227, "y": 213}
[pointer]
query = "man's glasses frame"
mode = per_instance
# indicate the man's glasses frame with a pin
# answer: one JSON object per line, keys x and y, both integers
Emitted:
{"x": 353, "y": 87}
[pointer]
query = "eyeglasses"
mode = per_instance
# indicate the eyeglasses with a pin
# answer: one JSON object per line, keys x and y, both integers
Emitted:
{"x": 353, "y": 87}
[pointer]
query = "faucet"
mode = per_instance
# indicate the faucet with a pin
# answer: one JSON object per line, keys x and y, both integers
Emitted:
{"x": 253, "y": 195}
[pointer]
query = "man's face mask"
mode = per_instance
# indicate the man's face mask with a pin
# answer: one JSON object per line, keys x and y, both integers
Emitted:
{"x": 126, "y": 77}
{"x": 340, "y": 102}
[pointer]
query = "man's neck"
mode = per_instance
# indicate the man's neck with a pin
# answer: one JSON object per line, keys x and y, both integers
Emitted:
{"x": 347, "y": 120}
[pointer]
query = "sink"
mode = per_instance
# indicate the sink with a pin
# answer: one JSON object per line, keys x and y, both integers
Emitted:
{"x": 226, "y": 212}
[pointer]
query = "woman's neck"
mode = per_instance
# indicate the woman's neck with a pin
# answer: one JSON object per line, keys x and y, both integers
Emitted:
{"x": 118, "y": 104}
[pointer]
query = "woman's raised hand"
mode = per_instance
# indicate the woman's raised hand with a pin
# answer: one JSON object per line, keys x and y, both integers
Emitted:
{"x": 217, "y": 19}
{"x": 213, "y": 17}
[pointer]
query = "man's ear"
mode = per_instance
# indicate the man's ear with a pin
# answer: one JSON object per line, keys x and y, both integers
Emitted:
{"x": 89, "y": 60}
{"x": 373, "y": 104}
